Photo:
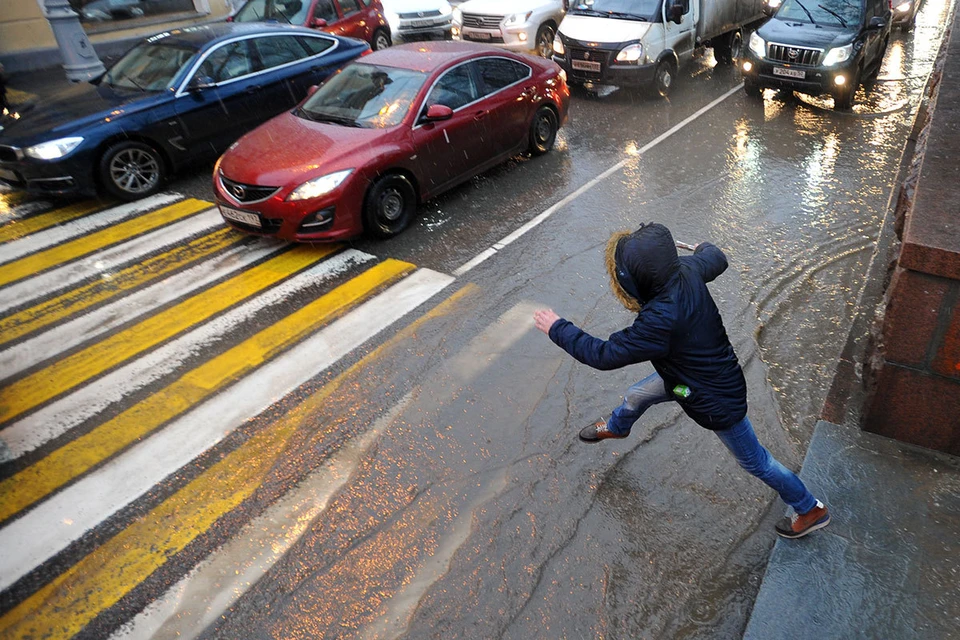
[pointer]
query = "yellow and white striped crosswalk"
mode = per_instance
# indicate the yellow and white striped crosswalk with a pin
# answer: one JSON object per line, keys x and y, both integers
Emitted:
{"x": 135, "y": 339}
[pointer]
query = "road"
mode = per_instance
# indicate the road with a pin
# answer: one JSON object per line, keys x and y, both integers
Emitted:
{"x": 211, "y": 435}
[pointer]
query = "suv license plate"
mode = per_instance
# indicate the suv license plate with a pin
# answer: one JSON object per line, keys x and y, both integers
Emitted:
{"x": 421, "y": 23}
{"x": 477, "y": 35}
{"x": 799, "y": 74}
{"x": 236, "y": 215}
{"x": 585, "y": 65}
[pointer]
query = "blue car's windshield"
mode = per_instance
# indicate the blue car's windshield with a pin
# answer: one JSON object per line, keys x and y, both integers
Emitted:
{"x": 149, "y": 67}
{"x": 823, "y": 12}
{"x": 287, "y": 11}
{"x": 645, "y": 10}
{"x": 364, "y": 95}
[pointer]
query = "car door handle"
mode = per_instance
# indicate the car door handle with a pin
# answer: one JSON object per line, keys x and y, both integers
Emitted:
{"x": 253, "y": 89}
{"x": 480, "y": 115}
{"x": 529, "y": 91}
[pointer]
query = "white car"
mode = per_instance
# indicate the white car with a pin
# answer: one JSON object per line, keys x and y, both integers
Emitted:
{"x": 419, "y": 19}
{"x": 518, "y": 25}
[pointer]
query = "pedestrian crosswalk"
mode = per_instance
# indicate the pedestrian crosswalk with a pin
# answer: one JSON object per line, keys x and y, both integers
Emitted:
{"x": 134, "y": 340}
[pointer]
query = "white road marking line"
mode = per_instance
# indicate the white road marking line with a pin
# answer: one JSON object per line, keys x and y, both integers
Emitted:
{"x": 473, "y": 262}
{"x": 84, "y": 328}
{"x": 213, "y": 586}
{"x": 56, "y": 235}
{"x": 102, "y": 262}
{"x": 54, "y": 524}
{"x": 59, "y": 417}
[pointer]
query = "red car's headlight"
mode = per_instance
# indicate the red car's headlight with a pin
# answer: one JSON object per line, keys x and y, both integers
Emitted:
{"x": 319, "y": 186}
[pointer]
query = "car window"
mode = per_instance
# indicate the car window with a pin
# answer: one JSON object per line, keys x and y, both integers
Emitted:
{"x": 364, "y": 95}
{"x": 454, "y": 89}
{"x": 315, "y": 45}
{"x": 292, "y": 11}
{"x": 324, "y": 10}
{"x": 349, "y": 6}
{"x": 497, "y": 73}
{"x": 149, "y": 67}
{"x": 227, "y": 62}
{"x": 277, "y": 50}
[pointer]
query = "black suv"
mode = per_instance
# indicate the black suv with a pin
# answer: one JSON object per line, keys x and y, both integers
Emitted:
{"x": 818, "y": 46}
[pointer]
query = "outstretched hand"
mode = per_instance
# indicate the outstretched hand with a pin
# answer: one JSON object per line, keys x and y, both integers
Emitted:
{"x": 544, "y": 319}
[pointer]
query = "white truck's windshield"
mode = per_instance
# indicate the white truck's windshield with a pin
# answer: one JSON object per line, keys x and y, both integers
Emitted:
{"x": 645, "y": 10}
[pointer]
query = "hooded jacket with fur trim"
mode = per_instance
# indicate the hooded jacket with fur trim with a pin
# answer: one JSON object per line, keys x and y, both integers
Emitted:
{"x": 678, "y": 326}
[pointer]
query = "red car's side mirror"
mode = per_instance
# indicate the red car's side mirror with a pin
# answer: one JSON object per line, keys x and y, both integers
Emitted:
{"x": 436, "y": 112}
{"x": 312, "y": 90}
{"x": 318, "y": 23}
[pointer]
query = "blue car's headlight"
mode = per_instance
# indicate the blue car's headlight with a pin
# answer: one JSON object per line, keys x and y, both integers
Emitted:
{"x": 319, "y": 186}
{"x": 54, "y": 149}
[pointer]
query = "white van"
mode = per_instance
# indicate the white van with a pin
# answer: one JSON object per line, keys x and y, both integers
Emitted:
{"x": 526, "y": 26}
{"x": 646, "y": 42}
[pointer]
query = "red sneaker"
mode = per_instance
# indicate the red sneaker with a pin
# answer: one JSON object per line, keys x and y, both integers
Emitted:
{"x": 799, "y": 525}
{"x": 598, "y": 431}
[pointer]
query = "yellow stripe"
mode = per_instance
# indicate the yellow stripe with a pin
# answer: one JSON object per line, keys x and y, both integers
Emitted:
{"x": 91, "y": 242}
{"x": 47, "y": 383}
{"x": 76, "y": 458}
{"x": 20, "y": 228}
{"x": 152, "y": 269}
{"x": 98, "y": 581}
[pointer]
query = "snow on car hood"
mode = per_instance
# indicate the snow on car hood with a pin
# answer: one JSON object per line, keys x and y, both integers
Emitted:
{"x": 504, "y": 7}
{"x": 609, "y": 30}
{"x": 409, "y": 6}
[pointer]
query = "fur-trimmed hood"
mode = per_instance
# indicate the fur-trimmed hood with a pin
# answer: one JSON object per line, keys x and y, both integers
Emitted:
{"x": 641, "y": 264}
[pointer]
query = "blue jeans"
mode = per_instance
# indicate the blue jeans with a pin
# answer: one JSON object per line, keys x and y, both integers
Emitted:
{"x": 739, "y": 439}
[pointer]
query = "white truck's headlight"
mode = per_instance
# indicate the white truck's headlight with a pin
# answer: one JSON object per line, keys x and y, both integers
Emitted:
{"x": 319, "y": 186}
{"x": 558, "y": 46}
{"x": 837, "y": 55}
{"x": 757, "y": 45}
{"x": 54, "y": 149}
{"x": 457, "y": 15}
{"x": 630, "y": 53}
{"x": 446, "y": 9}
{"x": 517, "y": 18}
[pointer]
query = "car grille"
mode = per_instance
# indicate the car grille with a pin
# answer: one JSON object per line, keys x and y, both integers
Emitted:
{"x": 9, "y": 154}
{"x": 246, "y": 192}
{"x": 481, "y": 22}
{"x": 793, "y": 55}
{"x": 419, "y": 14}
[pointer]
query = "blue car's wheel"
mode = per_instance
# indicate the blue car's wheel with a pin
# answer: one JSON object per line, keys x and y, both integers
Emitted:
{"x": 131, "y": 170}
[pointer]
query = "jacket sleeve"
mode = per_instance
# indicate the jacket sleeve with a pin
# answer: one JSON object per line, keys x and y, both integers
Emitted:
{"x": 708, "y": 261}
{"x": 642, "y": 341}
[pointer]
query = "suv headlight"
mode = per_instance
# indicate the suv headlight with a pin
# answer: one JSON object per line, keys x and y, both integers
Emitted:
{"x": 837, "y": 55}
{"x": 319, "y": 186}
{"x": 54, "y": 149}
{"x": 558, "y": 49}
{"x": 630, "y": 53}
{"x": 757, "y": 45}
{"x": 517, "y": 18}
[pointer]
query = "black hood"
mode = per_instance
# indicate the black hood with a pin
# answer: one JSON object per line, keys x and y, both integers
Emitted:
{"x": 646, "y": 261}
{"x": 804, "y": 34}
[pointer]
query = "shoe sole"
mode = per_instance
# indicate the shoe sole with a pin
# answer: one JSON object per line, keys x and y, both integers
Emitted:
{"x": 596, "y": 440}
{"x": 810, "y": 529}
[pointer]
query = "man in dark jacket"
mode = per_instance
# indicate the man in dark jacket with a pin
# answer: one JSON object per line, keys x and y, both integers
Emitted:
{"x": 679, "y": 330}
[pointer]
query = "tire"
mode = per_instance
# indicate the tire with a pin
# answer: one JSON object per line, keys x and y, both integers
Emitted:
{"x": 543, "y": 131}
{"x": 663, "y": 77}
{"x": 389, "y": 206}
{"x": 752, "y": 89}
{"x": 728, "y": 51}
{"x": 381, "y": 40}
{"x": 132, "y": 170}
{"x": 844, "y": 99}
{"x": 544, "y": 42}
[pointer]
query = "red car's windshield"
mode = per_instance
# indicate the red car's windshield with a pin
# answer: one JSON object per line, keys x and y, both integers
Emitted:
{"x": 364, "y": 95}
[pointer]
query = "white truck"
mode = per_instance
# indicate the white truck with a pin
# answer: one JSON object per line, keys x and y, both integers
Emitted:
{"x": 646, "y": 42}
{"x": 525, "y": 26}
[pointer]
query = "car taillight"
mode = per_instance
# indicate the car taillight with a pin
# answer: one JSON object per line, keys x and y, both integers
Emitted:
{"x": 366, "y": 52}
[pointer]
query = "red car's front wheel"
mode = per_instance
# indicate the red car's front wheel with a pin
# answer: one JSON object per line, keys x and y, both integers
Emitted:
{"x": 389, "y": 206}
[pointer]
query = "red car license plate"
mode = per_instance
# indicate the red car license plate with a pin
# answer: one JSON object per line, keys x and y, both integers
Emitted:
{"x": 236, "y": 215}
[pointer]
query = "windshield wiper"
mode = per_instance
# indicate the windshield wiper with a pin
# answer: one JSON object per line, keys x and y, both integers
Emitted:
{"x": 626, "y": 16}
{"x": 806, "y": 11}
{"x": 589, "y": 12}
{"x": 326, "y": 117}
{"x": 843, "y": 23}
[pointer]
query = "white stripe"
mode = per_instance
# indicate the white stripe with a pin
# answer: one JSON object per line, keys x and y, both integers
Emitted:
{"x": 486, "y": 253}
{"x": 81, "y": 226}
{"x": 49, "y": 528}
{"x": 86, "y": 327}
{"x": 56, "y": 419}
{"x": 213, "y": 586}
{"x": 101, "y": 263}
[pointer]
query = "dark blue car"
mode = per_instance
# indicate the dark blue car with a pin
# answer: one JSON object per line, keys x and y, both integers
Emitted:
{"x": 177, "y": 97}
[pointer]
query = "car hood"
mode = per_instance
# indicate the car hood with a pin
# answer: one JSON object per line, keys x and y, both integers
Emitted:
{"x": 608, "y": 30}
{"x": 263, "y": 156}
{"x": 501, "y": 7}
{"x": 802, "y": 34}
{"x": 72, "y": 108}
{"x": 410, "y": 6}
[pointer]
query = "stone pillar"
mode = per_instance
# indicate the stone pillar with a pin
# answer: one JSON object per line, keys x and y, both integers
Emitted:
{"x": 80, "y": 61}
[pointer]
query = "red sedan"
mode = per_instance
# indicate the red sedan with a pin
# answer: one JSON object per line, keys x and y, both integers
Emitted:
{"x": 392, "y": 129}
